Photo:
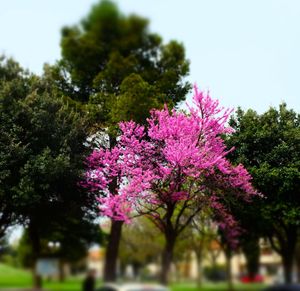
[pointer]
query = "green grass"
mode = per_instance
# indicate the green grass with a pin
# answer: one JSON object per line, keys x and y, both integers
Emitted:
{"x": 217, "y": 287}
{"x": 11, "y": 277}
{"x": 70, "y": 285}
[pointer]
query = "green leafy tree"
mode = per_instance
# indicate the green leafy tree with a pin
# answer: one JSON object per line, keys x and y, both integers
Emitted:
{"x": 269, "y": 146}
{"x": 75, "y": 235}
{"x": 14, "y": 83}
{"x": 100, "y": 53}
{"x": 43, "y": 148}
{"x": 119, "y": 70}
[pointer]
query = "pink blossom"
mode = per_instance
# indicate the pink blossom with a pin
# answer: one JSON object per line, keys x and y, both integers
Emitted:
{"x": 176, "y": 157}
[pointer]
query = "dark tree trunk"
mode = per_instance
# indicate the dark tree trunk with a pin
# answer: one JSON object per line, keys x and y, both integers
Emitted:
{"x": 251, "y": 251}
{"x": 298, "y": 269}
{"x": 286, "y": 248}
{"x": 297, "y": 257}
{"x": 122, "y": 270}
{"x": 136, "y": 270}
{"x": 112, "y": 251}
{"x": 111, "y": 256}
{"x": 36, "y": 249}
{"x": 229, "y": 269}
{"x": 288, "y": 253}
{"x": 167, "y": 258}
{"x": 287, "y": 260}
{"x": 61, "y": 271}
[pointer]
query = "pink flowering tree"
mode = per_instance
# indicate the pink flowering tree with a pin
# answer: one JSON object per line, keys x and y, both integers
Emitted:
{"x": 170, "y": 170}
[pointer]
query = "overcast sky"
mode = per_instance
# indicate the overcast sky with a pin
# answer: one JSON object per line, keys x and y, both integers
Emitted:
{"x": 246, "y": 53}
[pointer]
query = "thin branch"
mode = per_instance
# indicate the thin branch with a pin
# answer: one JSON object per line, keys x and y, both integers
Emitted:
{"x": 189, "y": 220}
{"x": 184, "y": 206}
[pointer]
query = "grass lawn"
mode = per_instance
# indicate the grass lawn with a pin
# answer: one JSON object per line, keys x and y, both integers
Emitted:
{"x": 11, "y": 277}
{"x": 217, "y": 287}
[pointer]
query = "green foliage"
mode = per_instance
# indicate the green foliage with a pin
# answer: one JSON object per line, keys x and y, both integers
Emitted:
{"x": 269, "y": 146}
{"x": 134, "y": 101}
{"x": 114, "y": 63}
{"x": 14, "y": 83}
{"x": 42, "y": 152}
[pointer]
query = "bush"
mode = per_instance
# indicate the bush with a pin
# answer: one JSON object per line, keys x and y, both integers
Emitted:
{"x": 215, "y": 273}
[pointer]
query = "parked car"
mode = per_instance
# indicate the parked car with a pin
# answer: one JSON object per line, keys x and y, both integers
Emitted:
{"x": 132, "y": 287}
{"x": 284, "y": 287}
{"x": 256, "y": 279}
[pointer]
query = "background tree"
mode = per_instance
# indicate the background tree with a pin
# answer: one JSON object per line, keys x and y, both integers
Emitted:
{"x": 269, "y": 146}
{"x": 202, "y": 234}
{"x": 107, "y": 47}
{"x": 43, "y": 149}
{"x": 74, "y": 237}
{"x": 14, "y": 83}
{"x": 114, "y": 65}
{"x": 141, "y": 244}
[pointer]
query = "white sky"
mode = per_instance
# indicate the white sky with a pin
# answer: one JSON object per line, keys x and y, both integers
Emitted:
{"x": 246, "y": 52}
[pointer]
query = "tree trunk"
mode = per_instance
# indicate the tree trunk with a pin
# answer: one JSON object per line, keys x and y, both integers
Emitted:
{"x": 36, "y": 249}
{"x": 112, "y": 251}
{"x": 229, "y": 270}
{"x": 251, "y": 251}
{"x": 288, "y": 253}
{"x": 111, "y": 256}
{"x": 199, "y": 268}
{"x": 298, "y": 269}
{"x": 167, "y": 258}
{"x": 287, "y": 260}
{"x": 61, "y": 271}
{"x": 136, "y": 270}
{"x": 297, "y": 257}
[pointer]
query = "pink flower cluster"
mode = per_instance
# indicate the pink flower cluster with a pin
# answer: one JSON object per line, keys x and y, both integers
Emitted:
{"x": 177, "y": 157}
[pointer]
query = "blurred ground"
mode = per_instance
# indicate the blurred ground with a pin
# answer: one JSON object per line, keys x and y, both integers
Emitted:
{"x": 15, "y": 279}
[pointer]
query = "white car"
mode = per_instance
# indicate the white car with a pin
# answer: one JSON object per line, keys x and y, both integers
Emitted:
{"x": 132, "y": 287}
